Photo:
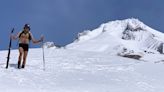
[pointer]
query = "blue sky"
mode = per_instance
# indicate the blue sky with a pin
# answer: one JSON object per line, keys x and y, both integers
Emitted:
{"x": 61, "y": 20}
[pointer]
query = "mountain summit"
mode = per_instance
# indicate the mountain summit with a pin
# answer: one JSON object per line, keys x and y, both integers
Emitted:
{"x": 129, "y": 35}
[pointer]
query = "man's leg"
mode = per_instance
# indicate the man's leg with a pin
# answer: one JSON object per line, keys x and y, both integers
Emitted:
{"x": 20, "y": 56}
{"x": 24, "y": 59}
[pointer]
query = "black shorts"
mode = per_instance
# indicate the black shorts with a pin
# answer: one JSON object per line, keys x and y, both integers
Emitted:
{"x": 24, "y": 46}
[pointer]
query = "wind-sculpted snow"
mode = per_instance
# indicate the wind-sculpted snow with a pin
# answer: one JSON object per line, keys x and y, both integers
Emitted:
{"x": 48, "y": 44}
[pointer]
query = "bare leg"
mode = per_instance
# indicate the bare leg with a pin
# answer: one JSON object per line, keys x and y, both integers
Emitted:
{"x": 20, "y": 56}
{"x": 24, "y": 58}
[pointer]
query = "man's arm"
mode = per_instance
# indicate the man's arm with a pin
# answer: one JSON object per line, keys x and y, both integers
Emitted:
{"x": 36, "y": 41}
{"x": 15, "y": 36}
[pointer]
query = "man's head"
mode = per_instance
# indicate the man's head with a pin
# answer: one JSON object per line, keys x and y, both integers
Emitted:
{"x": 27, "y": 27}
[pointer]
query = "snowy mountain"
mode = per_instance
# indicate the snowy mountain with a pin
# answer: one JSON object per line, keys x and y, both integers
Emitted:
{"x": 116, "y": 36}
{"x": 91, "y": 63}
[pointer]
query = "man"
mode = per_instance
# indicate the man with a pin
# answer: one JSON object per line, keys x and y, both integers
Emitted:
{"x": 24, "y": 39}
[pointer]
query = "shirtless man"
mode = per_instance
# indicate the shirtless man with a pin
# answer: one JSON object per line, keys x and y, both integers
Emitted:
{"x": 24, "y": 39}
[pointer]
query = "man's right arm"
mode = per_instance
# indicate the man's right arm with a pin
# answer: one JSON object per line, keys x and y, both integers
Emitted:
{"x": 15, "y": 36}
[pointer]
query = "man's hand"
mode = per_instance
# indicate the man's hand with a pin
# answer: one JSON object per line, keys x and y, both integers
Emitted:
{"x": 13, "y": 37}
{"x": 41, "y": 38}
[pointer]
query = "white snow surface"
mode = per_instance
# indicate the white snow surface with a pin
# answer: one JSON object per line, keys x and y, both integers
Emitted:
{"x": 90, "y": 64}
{"x": 81, "y": 71}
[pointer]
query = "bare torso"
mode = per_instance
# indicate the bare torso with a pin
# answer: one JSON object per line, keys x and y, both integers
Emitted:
{"x": 24, "y": 38}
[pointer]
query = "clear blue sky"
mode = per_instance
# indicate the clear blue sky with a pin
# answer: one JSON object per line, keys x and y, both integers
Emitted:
{"x": 61, "y": 20}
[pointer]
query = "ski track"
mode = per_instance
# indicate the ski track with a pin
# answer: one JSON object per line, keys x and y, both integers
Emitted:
{"x": 79, "y": 71}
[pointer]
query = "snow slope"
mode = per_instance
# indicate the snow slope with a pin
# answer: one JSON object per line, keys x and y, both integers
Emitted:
{"x": 80, "y": 71}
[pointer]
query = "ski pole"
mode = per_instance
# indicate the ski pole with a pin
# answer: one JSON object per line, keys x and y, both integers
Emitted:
{"x": 8, "y": 56}
{"x": 44, "y": 66}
